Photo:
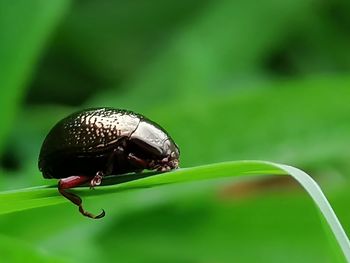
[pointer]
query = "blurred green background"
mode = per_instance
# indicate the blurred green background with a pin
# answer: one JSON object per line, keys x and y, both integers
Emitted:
{"x": 229, "y": 80}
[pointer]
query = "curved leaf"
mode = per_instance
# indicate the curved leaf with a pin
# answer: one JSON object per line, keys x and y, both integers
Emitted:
{"x": 11, "y": 201}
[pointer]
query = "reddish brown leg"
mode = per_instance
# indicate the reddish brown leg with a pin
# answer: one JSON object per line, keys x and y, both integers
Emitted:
{"x": 74, "y": 181}
{"x": 137, "y": 161}
{"x": 144, "y": 164}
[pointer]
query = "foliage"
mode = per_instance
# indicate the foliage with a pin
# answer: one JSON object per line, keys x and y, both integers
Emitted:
{"x": 230, "y": 80}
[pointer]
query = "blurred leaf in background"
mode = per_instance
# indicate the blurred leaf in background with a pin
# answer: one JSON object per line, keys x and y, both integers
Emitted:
{"x": 228, "y": 80}
{"x": 24, "y": 28}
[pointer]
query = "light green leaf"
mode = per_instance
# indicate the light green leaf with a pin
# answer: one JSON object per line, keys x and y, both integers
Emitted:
{"x": 42, "y": 196}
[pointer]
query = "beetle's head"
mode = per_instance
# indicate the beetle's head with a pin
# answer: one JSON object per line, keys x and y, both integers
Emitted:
{"x": 170, "y": 156}
{"x": 155, "y": 146}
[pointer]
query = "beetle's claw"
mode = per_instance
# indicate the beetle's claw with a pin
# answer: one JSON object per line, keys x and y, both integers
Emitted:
{"x": 90, "y": 215}
{"x": 96, "y": 180}
{"x": 102, "y": 214}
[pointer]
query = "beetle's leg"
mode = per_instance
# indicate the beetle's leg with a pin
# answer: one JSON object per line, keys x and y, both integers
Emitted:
{"x": 96, "y": 180}
{"x": 144, "y": 164}
{"x": 74, "y": 181}
{"x": 138, "y": 161}
{"x": 115, "y": 157}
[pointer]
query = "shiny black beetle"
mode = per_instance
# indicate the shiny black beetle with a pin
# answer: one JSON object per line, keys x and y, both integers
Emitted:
{"x": 90, "y": 144}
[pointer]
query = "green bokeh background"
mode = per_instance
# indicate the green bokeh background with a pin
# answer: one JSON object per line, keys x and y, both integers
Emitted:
{"x": 229, "y": 80}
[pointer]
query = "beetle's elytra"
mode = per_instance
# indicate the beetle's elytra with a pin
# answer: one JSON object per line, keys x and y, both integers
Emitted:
{"x": 90, "y": 144}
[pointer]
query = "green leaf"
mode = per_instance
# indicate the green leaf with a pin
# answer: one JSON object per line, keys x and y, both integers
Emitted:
{"x": 224, "y": 43}
{"x": 303, "y": 122}
{"x": 10, "y": 247}
{"x": 24, "y": 28}
{"x": 43, "y": 196}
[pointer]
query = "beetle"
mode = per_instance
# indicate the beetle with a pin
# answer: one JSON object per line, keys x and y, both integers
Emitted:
{"x": 92, "y": 143}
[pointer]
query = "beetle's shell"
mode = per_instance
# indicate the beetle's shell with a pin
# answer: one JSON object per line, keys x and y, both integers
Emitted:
{"x": 85, "y": 142}
{"x": 87, "y": 137}
{"x": 90, "y": 130}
